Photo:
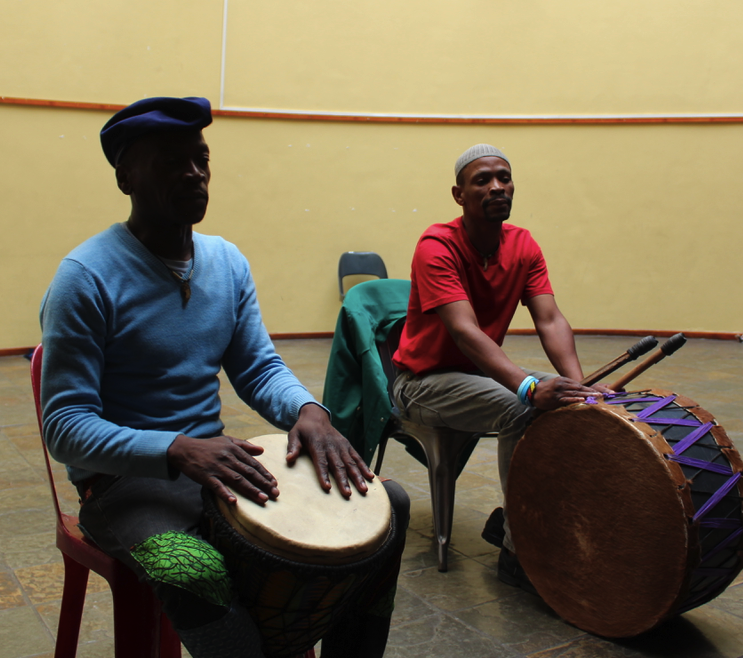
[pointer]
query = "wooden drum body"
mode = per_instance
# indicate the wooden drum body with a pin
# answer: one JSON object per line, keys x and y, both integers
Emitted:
{"x": 627, "y": 510}
{"x": 298, "y": 561}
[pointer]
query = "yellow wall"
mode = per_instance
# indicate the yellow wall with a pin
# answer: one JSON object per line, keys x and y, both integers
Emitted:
{"x": 486, "y": 56}
{"x": 640, "y": 223}
{"x": 416, "y": 56}
{"x": 114, "y": 51}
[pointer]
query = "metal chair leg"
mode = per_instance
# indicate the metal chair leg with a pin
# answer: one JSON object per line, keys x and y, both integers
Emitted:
{"x": 380, "y": 454}
{"x": 443, "y": 448}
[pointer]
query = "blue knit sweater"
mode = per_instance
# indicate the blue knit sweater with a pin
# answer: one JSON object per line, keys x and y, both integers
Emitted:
{"x": 127, "y": 368}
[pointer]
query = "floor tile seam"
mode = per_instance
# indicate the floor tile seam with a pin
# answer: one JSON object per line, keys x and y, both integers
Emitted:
{"x": 413, "y": 570}
{"x": 31, "y": 566}
{"x": 18, "y": 510}
{"x": 51, "y": 633}
{"x": 712, "y": 604}
{"x": 27, "y": 601}
{"x": 42, "y": 471}
{"x": 4, "y": 425}
{"x": 559, "y": 643}
{"x": 422, "y": 490}
{"x": 5, "y": 567}
{"x": 480, "y": 560}
{"x": 498, "y": 599}
{"x": 17, "y": 471}
{"x": 472, "y": 629}
{"x": 489, "y": 481}
{"x": 429, "y": 606}
{"x": 26, "y": 464}
{"x": 473, "y": 556}
{"x": 508, "y": 595}
{"x": 15, "y": 510}
{"x": 21, "y": 453}
{"x": 14, "y": 447}
{"x": 421, "y": 533}
{"x": 433, "y": 565}
{"x": 567, "y": 644}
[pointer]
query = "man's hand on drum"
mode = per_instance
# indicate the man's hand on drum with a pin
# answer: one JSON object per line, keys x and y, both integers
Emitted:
{"x": 330, "y": 452}
{"x": 222, "y": 462}
{"x": 562, "y": 391}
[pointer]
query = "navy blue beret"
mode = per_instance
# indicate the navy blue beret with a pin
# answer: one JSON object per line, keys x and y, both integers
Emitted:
{"x": 152, "y": 115}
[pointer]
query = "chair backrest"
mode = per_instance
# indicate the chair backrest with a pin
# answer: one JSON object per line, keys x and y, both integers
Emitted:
{"x": 386, "y": 351}
{"x": 360, "y": 262}
{"x": 36, "y": 359}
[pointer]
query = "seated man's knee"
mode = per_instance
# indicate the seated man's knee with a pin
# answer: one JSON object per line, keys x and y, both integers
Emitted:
{"x": 182, "y": 561}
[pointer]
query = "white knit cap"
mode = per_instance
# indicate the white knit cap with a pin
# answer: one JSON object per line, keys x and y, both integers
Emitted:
{"x": 474, "y": 153}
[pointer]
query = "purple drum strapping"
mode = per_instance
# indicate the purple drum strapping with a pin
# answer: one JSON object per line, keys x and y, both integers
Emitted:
{"x": 733, "y": 536}
{"x": 692, "y": 438}
{"x": 614, "y": 398}
{"x": 720, "y": 524}
{"x": 611, "y": 396}
{"x": 700, "y": 463}
{"x": 653, "y": 408}
{"x": 719, "y": 577}
{"x": 717, "y": 497}
{"x": 683, "y": 422}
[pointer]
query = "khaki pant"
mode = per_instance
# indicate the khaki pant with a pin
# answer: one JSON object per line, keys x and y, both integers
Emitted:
{"x": 471, "y": 402}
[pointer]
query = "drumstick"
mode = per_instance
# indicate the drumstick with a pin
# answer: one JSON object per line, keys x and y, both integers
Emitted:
{"x": 668, "y": 348}
{"x": 638, "y": 349}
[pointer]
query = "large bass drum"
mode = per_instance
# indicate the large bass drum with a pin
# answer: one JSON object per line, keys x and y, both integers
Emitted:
{"x": 627, "y": 510}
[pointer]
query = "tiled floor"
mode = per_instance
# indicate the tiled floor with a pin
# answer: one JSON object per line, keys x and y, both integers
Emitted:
{"x": 466, "y": 612}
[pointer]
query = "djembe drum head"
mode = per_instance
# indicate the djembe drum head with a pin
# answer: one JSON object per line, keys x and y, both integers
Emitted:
{"x": 307, "y": 524}
{"x": 300, "y": 561}
{"x": 604, "y": 522}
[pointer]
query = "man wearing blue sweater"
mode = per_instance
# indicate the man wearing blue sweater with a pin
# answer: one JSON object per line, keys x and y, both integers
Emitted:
{"x": 136, "y": 325}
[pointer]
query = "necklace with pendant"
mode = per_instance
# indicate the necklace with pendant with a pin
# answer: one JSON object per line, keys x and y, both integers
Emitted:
{"x": 486, "y": 258}
{"x": 184, "y": 280}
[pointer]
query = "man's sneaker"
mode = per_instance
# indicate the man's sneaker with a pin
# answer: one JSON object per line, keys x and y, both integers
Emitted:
{"x": 512, "y": 573}
{"x": 493, "y": 531}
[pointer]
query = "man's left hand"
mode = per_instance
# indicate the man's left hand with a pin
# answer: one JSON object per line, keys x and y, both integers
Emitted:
{"x": 329, "y": 450}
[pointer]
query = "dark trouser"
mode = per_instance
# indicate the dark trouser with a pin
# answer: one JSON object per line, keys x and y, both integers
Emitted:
{"x": 122, "y": 512}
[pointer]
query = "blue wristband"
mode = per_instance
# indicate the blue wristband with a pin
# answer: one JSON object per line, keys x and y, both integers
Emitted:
{"x": 525, "y": 392}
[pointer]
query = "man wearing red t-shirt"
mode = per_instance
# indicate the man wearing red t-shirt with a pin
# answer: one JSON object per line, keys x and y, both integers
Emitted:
{"x": 468, "y": 277}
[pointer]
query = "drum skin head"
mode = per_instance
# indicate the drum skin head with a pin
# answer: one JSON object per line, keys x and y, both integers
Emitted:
{"x": 597, "y": 521}
{"x": 306, "y": 524}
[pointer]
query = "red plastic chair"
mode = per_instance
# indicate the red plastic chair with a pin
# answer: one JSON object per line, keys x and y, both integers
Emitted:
{"x": 141, "y": 630}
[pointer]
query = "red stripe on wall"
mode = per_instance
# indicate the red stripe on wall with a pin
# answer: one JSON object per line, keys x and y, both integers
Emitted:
{"x": 309, "y": 116}
{"x": 712, "y": 335}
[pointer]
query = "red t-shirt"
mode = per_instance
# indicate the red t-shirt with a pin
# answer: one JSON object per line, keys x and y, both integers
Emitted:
{"x": 447, "y": 268}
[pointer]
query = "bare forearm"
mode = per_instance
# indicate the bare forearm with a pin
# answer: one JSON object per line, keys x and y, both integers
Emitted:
{"x": 559, "y": 346}
{"x": 489, "y": 357}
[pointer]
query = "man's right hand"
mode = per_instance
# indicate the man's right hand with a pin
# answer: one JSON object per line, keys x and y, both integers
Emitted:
{"x": 221, "y": 461}
{"x": 559, "y": 392}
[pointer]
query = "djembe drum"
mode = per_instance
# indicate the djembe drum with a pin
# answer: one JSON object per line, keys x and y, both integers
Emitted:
{"x": 626, "y": 510}
{"x": 298, "y": 561}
